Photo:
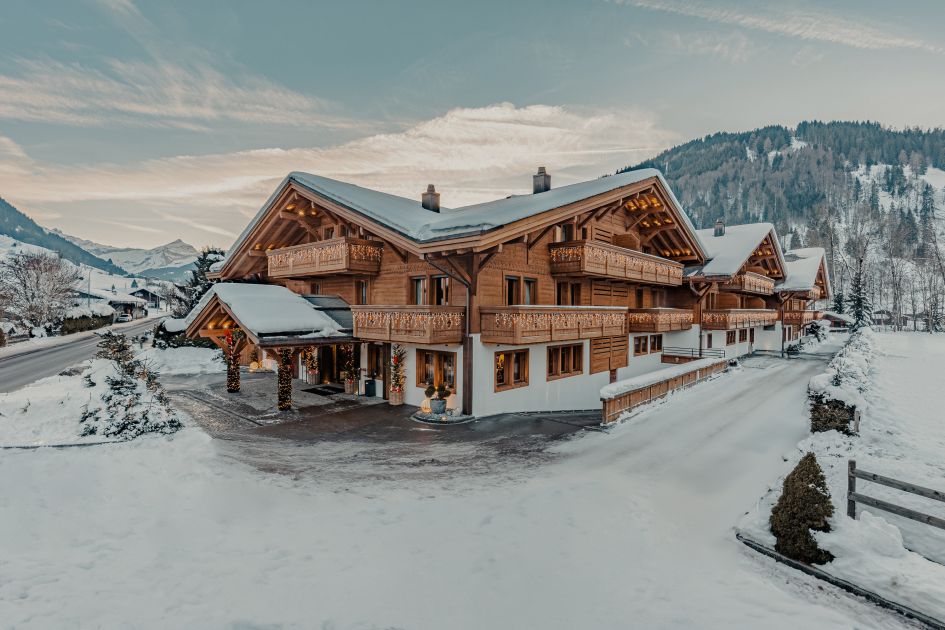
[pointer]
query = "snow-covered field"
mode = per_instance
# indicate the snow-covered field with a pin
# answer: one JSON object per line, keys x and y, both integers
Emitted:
{"x": 902, "y": 435}
{"x": 631, "y": 528}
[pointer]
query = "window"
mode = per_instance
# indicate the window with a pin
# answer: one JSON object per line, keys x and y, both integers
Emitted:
{"x": 441, "y": 290}
{"x": 708, "y": 340}
{"x": 343, "y": 230}
{"x": 640, "y": 345}
{"x": 568, "y": 294}
{"x": 730, "y": 338}
{"x": 329, "y": 232}
{"x": 656, "y": 343}
{"x": 639, "y": 303}
{"x": 743, "y": 335}
{"x": 530, "y": 295}
{"x": 751, "y": 335}
{"x": 511, "y": 290}
{"x": 436, "y": 368}
{"x": 360, "y": 292}
{"x": 565, "y": 361}
{"x": 511, "y": 369}
{"x": 418, "y": 291}
{"x": 567, "y": 232}
{"x": 316, "y": 288}
{"x": 375, "y": 367}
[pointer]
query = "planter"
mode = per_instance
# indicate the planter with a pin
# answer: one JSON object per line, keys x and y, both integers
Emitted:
{"x": 396, "y": 398}
{"x": 437, "y": 405}
{"x": 350, "y": 387}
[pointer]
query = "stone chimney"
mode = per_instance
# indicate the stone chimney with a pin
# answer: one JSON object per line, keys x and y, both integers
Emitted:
{"x": 541, "y": 181}
{"x": 430, "y": 199}
{"x": 719, "y": 227}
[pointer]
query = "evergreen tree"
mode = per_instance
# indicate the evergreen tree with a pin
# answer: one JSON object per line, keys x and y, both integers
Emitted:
{"x": 860, "y": 307}
{"x": 198, "y": 284}
{"x": 134, "y": 284}
{"x": 804, "y": 506}
{"x": 839, "y": 305}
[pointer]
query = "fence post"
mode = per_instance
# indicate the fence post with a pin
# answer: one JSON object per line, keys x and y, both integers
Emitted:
{"x": 851, "y": 488}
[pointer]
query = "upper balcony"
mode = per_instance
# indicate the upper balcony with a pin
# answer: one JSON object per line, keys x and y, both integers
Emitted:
{"x": 730, "y": 319}
{"x": 517, "y": 325}
{"x": 750, "y": 282}
{"x": 800, "y": 318}
{"x": 409, "y": 324}
{"x": 588, "y": 258}
{"x": 333, "y": 256}
{"x": 659, "y": 319}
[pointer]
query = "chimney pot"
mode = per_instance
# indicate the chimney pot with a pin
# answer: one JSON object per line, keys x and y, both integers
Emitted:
{"x": 719, "y": 227}
{"x": 430, "y": 200}
{"x": 541, "y": 181}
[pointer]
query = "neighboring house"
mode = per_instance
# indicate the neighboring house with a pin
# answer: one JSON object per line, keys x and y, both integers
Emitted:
{"x": 121, "y": 302}
{"x": 152, "y": 299}
{"x": 839, "y": 322}
{"x": 528, "y": 303}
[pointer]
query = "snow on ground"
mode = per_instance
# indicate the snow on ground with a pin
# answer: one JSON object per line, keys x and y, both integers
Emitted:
{"x": 37, "y": 343}
{"x": 901, "y": 436}
{"x": 631, "y": 528}
{"x": 183, "y": 361}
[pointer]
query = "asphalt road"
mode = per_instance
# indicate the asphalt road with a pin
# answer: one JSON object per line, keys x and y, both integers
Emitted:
{"x": 26, "y": 367}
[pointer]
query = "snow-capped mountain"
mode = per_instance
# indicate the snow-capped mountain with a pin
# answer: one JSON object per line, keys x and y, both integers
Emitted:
{"x": 141, "y": 261}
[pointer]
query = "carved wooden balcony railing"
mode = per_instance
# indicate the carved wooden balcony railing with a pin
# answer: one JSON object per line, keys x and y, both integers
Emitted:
{"x": 738, "y": 318}
{"x": 800, "y": 318}
{"x": 750, "y": 283}
{"x": 409, "y": 324}
{"x": 658, "y": 319}
{"x": 541, "y": 324}
{"x": 587, "y": 258}
{"x": 337, "y": 255}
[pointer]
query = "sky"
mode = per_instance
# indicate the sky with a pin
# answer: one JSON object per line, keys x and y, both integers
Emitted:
{"x": 135, "y": 123}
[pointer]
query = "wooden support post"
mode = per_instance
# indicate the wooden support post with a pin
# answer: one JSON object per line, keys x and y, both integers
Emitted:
{"x": 851, "y": 488}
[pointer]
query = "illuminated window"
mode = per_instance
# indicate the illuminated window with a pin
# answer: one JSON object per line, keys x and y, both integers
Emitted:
{"x": 436, "y": 368}
{"x": 511, "y": 369}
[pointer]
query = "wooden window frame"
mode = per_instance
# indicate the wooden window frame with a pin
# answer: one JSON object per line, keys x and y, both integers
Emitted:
{"x": 641, "y": 345}
{"x": 751, "y": 335}
{"x": 416, "y": 300}
{"x": 361, "y": 291}
{"x": 730, "y": 337}
{"x": 553, "y": 369}
{"x": 743, "y": 335}
{"x": 656, "y": 343}
{"x": 708, "y": 340}
{"x": 434, "y": 282}
{"x": 328, "y": 232}
{"x": 533, "y": 294}
{"x": 508, "y": 370}
{"x": 438, "y": 371}
{"x": 518, "y": 289}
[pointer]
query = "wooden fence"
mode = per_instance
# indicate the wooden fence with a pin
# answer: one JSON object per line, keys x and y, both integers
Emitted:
{"x": 854, "y": 497}
{"x": 613, "y": 407}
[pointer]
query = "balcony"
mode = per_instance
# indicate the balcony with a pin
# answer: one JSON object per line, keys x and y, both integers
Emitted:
{"x": 586, "y": 258}
{"x": 334, "y": 256}
{"x": 738, "y": 318}
{"x": 409, "y": 324}
{"x": 658, "y": 319}
{"x": 800, "y": 318}
{"x": 516, "y": 325}
{"x": 750, "y": 283}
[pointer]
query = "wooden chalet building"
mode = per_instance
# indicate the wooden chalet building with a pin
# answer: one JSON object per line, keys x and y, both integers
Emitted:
{"x": 528, "y": 303}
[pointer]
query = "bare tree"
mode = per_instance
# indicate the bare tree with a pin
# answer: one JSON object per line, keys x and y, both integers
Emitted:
{"x": 37, "y": 287}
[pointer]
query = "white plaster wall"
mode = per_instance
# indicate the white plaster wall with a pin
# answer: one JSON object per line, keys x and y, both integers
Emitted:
{"x": 570, "y": 393}
{"x": 768, "y": 339}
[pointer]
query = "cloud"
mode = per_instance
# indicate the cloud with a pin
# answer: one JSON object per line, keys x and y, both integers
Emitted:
{"x": 471, "y": 154}
{"x": 735, "y": 47}
{"x": 802, "y": 24}
{"x": 150, "y": 94}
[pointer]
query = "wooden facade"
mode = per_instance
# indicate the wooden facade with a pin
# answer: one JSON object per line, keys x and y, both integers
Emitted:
{"x": 598, "y": 269}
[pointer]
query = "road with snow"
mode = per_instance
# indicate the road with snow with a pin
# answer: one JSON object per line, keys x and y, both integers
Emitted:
{"x": 627, "y": 529}
{"x": 21, "y": 368}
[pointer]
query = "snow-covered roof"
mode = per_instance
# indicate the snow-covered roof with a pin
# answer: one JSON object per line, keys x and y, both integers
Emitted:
{"x": 267, "y": 310}
{"x": 109, "y": 296}
{"x": 839, "y": 316}
{"x": 801, "y": 267}
{"x": 410, "y": 218}
{"x": 727, "y": 253}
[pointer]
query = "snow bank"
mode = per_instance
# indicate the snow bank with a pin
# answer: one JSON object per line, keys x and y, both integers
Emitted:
{"x": 183, "y": 360}
{"x": 49, "y": 410}
{"x": 848, "y": 374}
{"x": 903, "y": 437}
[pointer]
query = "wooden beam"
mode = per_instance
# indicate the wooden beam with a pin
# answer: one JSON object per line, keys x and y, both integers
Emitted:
{"x": 541, "y": 235}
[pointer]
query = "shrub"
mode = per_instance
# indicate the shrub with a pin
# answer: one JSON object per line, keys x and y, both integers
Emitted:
{"x": 804, "y": 506}
{"x": 164, "y": 340}
{"x": 3, "y": 337}
{"x": 831, "y": 415}
{"x": 429, "y": 392}
{"x": 72, "y": 325}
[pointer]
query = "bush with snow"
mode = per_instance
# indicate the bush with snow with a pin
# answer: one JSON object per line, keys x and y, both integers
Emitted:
{"x": 837, "y": 394}
{"x": 132, "y": 401}
{"x": 804, "y": 506}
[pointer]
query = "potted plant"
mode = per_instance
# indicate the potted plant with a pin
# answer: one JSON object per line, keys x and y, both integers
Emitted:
{"x": 398, "y": 356}
{"x": 438, "y": 404}
{"x": 430, "y": 392}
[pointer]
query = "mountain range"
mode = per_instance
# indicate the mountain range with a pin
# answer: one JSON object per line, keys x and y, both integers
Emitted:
{"x": 167, "y": 262}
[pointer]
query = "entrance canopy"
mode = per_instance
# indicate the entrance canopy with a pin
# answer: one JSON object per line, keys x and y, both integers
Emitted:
{"x": 269, "y": 315}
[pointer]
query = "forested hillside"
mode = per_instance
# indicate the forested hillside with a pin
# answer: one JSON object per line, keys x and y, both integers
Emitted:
{"x": 17, "y": 225}
{"x": 861, "y": 190}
